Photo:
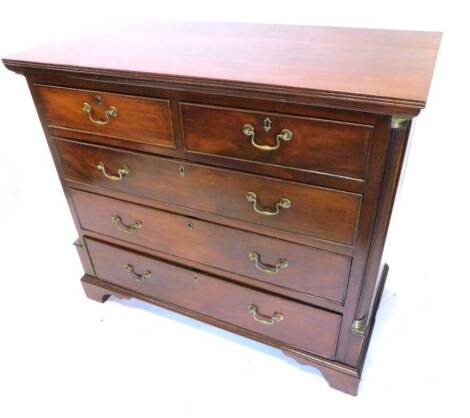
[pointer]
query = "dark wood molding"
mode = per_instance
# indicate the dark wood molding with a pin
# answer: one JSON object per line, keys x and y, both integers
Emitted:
{"x": 370, "y": 285}
{"x": 295, "y": 95}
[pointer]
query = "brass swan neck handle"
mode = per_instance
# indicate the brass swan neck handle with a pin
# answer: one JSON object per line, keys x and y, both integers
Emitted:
{"x": 284, "y": 203}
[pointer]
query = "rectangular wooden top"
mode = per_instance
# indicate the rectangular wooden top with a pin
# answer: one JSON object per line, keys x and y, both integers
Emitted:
{"x": 372, "y": 65}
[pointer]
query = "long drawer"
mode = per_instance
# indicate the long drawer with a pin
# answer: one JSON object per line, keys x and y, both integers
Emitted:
{"x": 311, "y": 329}
{"x": 322, "y": 213}
{"x": 292, "y": 266}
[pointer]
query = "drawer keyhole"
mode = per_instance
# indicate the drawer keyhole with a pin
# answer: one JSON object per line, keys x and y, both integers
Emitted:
{"x": 267, "y": 125}
{"x": 98, "y": 100}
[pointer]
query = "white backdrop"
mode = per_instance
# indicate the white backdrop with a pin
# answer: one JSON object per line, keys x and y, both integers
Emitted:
{"x": 62, "y": 355}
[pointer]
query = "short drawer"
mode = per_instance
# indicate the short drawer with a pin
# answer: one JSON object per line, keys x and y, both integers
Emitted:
{"x": 311, "y": 271}
{"x": 304, "y": 143}
{"x": 132, "y": 118}
{"x": 283, "y": 320}
{"x": 318, "y": 212}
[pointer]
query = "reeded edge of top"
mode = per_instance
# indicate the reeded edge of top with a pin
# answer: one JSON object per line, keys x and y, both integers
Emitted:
{"x": 350, "y": 101}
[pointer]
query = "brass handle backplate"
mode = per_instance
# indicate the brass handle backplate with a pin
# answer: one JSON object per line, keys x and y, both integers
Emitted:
{"x": 137, "y": 277}
{"x": 121, "y": 173}
{"x": 266, "y": 320}
{"x": 282, "y": 204}
{"x": 266, "y": 268}
{"x": 284, "y": 135}
{"x": 111, "y": 112}
{"x": 117, "y": 220}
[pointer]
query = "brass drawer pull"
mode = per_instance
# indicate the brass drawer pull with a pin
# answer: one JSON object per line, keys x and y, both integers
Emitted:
{"x": 137, "y": 277}
{"x": 121, "y": 173}
{"x": 284, "y": 135}
{"x": 111, "y": 112}
{"x": 282, "y": 204}
{"x": 117, "y": 220}
{"x": 266, "y": 268}
{"x": 267, "y": 320}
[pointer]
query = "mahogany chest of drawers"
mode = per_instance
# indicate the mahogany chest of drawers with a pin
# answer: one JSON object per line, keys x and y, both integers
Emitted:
{"x": 243, "y": 175}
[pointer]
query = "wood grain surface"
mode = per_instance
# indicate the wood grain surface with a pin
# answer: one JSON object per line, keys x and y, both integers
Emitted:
{"x": 395, "y": 65}
{"x": 311, "y": 271}
{"x": 139, "y": 119}
{"x": 324, "y": 146}
{"x": 302, "y": 326}
{"x": 323, "y": 213}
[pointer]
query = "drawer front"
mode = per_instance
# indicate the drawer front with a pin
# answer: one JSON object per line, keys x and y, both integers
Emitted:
{"x": 317, "y": 145}
{"x": 119, "y": 116}
{"x": 301, "y": 326}
{"x": 297, "y": 267}
{"x": 322, "y": 213}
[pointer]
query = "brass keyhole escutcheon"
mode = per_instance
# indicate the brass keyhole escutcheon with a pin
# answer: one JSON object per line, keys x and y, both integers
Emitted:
{"x": 181, "y": 171}
{"x": 190, "y": 225}
{"x": 98, "y": 100}
{"x": 267, "y": 125}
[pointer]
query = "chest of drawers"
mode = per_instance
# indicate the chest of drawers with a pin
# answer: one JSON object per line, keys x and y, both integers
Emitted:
{"x": 243, "y": 175}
